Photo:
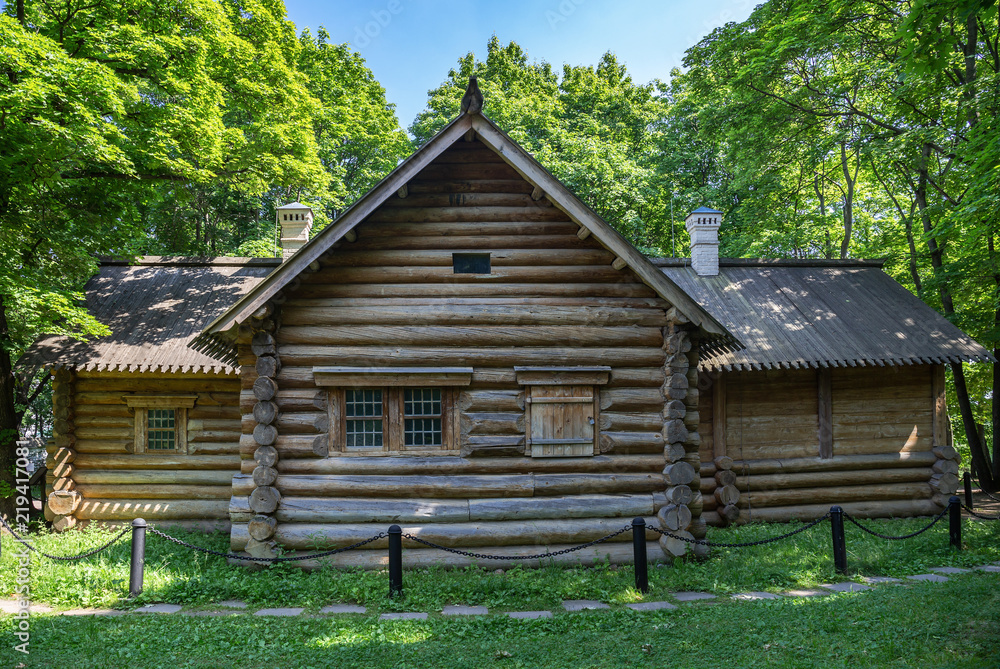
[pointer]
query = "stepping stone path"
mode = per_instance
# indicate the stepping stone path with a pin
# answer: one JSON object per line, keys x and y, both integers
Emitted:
{"x": 651, "y": 606}
{"x": 805, "y": 593}
{"x": 936, "y": 578}
{"x": 583, "y": 605}
{"x": 750, "y": 596}
{"x": 343, "y": 608}
{"x": 234, "y": 607}
{"x": 692, "y": 596}
{"x": 280, "y": 612}
{"x": 403, "y": 616}
{"x": 465, "y": 611}
{"x": 846, "y": 586}
{"x": 529, "y": 615}
{"x": 159, "y": 608}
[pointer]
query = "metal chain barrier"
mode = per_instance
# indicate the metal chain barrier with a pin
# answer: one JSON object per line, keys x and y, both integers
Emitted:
{"x": 483, "y": 556}
{"x": 901, "y": 537}
{"x": 63, "y": 557}
{"x": 250, "y": 558}
{"x": 759, "y": 542}
{"x": 979, "y": 515}
{"x": 994, "y": 498}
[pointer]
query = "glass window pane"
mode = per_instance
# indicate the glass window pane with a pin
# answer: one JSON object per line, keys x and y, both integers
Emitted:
{"x": 422, "y": 417}
{"x": 363, "y": 409}
{"x": 161, "y": 430}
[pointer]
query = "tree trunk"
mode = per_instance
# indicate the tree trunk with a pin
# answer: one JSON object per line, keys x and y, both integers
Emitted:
{"x": 8, "y": 416}
{"x": 848, "y": 200}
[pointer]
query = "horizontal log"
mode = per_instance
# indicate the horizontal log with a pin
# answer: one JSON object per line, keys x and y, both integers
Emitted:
{"x": 239, "y": 504}
{"x": 574, "y": 506}
{"x": 447, "y": 275}
{"x": 153, "y": 509}
{"x": 837, "y": 462}
{"x": 228, "y": 463}
{"x": 292, "y": 423}
{"x": 631, "y": 399}
{"x": 443, "y": 258}
{"x": 489, "y": 446}
{"x": 627, "y": 443}
{"x": 153, "y": 477}
{"x": 582, "y": 484}
{"x": 492, "y": 423}
{"x": 835, "y": 494}
{"x": 473, "y": 315}
{"x": 458, "y": 356}
{"x": 229, "y": 447}
{"x": 299, "y": 536}
{"x": 491, "y": 400}
{"x": 290, "y": 446}
{"x": 631, "y": 422}
{"x": 900, "y": 508}
{"x": 445, "y": 465}
{"x": 106, "y": 383}
{"x": 148, "y": 491}
{"x": 614, "y": 553}
{"x": 494, "y": 290}
{"x": 449, "y": 214}
{"x": 293, "y": 400}
{"x": 97, "y": 421}
{"x": 483, "y": 335}
{"x": 833, "y": 478}
{"x": 105, "y": 433}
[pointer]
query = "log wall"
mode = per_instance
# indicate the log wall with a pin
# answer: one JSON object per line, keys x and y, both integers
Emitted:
{"x": 873, "y": 440}
{"x": 387, "y": 296}
{"x": 92, "y": 456}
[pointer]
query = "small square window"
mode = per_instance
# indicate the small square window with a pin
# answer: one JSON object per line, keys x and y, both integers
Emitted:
{"x": 422, "y": 417}
{"x": 471, "y": 263}
{"x": 161, "y": 430}
{"x": 364, "y": 412}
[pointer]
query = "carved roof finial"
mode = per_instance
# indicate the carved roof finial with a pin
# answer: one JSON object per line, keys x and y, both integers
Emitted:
{"x": 472, "y": 101}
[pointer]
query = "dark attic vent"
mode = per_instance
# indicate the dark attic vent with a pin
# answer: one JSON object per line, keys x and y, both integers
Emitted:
{"x": 471, "y": 263}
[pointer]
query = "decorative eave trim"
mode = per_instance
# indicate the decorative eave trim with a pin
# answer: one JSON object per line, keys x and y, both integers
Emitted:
{"x": 563, "y": 376}
{"x": 392, "y": 376}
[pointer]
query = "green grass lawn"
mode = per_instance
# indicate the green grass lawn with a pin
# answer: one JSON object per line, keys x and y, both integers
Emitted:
{"x": 917, "y": 624}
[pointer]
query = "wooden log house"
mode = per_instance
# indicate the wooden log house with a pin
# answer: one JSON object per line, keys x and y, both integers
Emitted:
{"x": 471, "y": 353}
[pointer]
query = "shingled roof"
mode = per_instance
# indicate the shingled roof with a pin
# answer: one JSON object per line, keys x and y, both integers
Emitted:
{"x": 154, "y": 308}
{"x": 797, "y": 314}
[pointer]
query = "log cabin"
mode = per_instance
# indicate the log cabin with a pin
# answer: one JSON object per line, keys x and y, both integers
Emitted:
{"x": 470, "y": 352}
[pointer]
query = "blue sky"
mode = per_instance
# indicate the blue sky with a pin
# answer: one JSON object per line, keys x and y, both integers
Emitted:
{"x": 411, "y": 44}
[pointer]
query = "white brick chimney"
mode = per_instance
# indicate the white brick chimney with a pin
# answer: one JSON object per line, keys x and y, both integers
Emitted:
{"x": 296, "y": 220}
{"x": 703, "y": 227}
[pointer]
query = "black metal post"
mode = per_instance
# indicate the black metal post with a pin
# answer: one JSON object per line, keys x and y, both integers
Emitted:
{"x": 395, "y": 561}
{"x": 967, "y": 479}
{"x": 839, "y": 541}
{"x": 955, "y": 522}
{"x": 639, "y": 553}
{"x": 138, "y": 563}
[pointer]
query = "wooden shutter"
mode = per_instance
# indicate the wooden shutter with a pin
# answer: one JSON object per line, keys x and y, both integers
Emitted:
{"x": 561, "y": 421}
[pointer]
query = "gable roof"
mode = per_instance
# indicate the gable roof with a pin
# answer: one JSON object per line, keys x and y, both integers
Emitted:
{"x": 533, "y": 172}
{"x": 814, "y": 313}
{"x": 154, "y": 309}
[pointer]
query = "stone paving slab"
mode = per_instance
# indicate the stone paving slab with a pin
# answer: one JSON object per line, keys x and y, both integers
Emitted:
{"x": 651, "y": 606}
{"x": 805, "y": 593}
{"x": 949, "y": 570}
{"x": 210, "y": 613}
{"x": 343, "y": 608}
{"x": 988, "y": 567}
{"x": 231, "y": 604}
{"x": 935, "y": 578}
{"x": 751, "y": 596}
{"x": 583, "y": 605}
{"x": 280, "y": 612}
{"x": 159, "y": 608}
{"x": 529, "y": 615}
{"x": 93, "y": 612}
{"x": 403, "y": 616}
{"x": 692, "y": 596}
{"x": 846, "y": 586}
{"x": 875, "y": 580}
{"x": 459, "y": 610}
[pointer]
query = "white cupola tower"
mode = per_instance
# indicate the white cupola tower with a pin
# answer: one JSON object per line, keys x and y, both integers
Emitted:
{"x": 296, "y": 221}
{"x": 703, "y": 226}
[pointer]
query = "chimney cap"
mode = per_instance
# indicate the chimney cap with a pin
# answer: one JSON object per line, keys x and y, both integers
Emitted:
{"x": 294, "y": 205}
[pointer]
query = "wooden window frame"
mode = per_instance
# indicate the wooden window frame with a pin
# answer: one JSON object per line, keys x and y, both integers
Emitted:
{"x": 141, "y": 404}
{"x": 393, "y": 423}
{"x": 541, "y": 383}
